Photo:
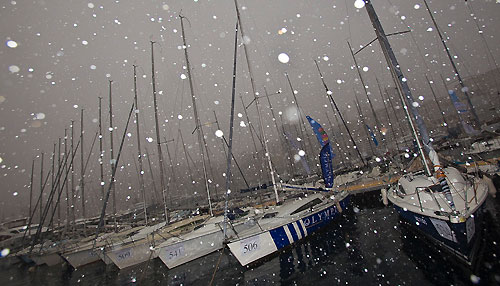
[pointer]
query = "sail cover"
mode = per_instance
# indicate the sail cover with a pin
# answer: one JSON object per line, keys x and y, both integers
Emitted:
{"x": 325, "y": 158}
{"x": 372, "y": 135}
{"x": 462, "y": 110}
{"x": 326, "y": 153}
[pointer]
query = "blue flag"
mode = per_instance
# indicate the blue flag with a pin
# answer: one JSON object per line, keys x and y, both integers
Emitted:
{"x": 372, "y": 135}
{"x": 459, "y": 106}
{"x": 326, "y": 153}
{"x": 325, "y": 158}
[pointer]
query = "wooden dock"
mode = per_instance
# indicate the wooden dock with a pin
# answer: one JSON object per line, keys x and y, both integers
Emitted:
{"x": 370, "y": 185}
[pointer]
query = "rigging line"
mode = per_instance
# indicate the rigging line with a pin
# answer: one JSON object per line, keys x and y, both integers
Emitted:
{"x": 469, "y": 76}
{"x": 348, "y": 19}
{"x": 481, "y": 34}
{"x": 261, "y": 56}
{"x": 216, "y": 267}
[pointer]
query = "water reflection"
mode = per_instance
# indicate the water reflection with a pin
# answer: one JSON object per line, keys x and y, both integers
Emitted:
{"x": 366, "y": 246}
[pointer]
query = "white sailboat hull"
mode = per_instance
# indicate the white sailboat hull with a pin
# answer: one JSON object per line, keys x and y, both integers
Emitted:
{"x": 180, "y": 252}
{"x": 126, "y": 256}
{"x": 81, "y": 257}
{"x": 288, "y": 231}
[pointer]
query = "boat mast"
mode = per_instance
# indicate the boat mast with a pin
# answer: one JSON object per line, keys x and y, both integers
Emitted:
{"x": 231, "y": 125}
{"x": 186, "y": 155}
{"x": 139, "y": 153}
{"x": 222, "y": 139}
{"x": 73, "y": 177}
{"x": 334, "y": 104}
{"x": 337, "y": 142}
{"x": 59, "y": 167}
{"x": 41, "y": 188}
{"x": 250, "y": 125}
{"x": 299, "y": 115}
{"x": 198, "y": 126}
{"x": 438, "y": 105}
{"x": 173, "y": 177}
{"x": 111, "y": 152}
{"x": 101, "y": 152}
{"x": 401, "y": 80}
{"x": 224, "y": 145}
{"x": 473, "y": 15}
{"x": 158, "y": 143}
{"x": 464, "y": 88}
{"x": 387, "y": 113}
{"x": 257, "y": 105}
{"x": 152, "y": 174}
{"x": 377, "y": 122}
{"x": 31, "y": 195}
{"x": 395, "y": 113}
{"x": 82, "y": 171}
{"x": 52, "y": 171}
{"x": 112, "y": 181}
{"x": 364, "y": 127}
{"x": 280, "y": 134}
{"x": 67, "y": 185}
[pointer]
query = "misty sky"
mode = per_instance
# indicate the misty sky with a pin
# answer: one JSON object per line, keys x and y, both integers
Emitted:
{"x": 57, "y": 57}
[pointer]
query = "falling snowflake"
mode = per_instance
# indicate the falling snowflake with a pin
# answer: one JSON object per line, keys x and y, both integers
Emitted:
{"x": 283, "y": 58}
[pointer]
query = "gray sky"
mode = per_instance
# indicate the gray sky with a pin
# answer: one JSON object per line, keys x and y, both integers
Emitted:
{"x": 64, "y": 52}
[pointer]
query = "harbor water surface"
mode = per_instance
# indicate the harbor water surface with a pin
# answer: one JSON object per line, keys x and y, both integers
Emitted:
{"x": 367, "y": 246}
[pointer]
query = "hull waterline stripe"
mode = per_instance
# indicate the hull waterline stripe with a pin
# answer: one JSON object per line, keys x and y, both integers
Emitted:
{"x": 288, "y": 234}
{"x": 297, "y": 229}
{"x": 293, "y": 232}
{"x": 279, "y": 237}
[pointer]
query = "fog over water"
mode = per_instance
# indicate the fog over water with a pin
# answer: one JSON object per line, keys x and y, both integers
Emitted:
{"x": 57, "y": 58}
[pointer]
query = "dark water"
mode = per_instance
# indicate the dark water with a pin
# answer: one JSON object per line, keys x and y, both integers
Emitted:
{"x": 367, "y": 246}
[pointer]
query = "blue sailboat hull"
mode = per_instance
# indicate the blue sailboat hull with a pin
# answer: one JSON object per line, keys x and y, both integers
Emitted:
{"x": 459, "y": 239}
{"x": 262, "y": 244}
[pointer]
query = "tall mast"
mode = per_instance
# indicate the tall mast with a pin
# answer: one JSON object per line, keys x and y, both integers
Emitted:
{"x": 52, "y": 172}
{"x": 112, "y": 181}
{"x": 31, "y": 195}
{"x": 82, "y": 169}
{"x": 437, "y": 103}
{"x": 67, "y": 185}
{"x": 464, "y": 88}
{"x": 335, "y": 140}
{"x": 152, "y": 174}
{"x": 139, "y": 156}
{"x": 231, "y": 125}
{"x": 377, "y": 122}
{"x": 101, "y": 152}
{"x": 59, "y": 167}
{"x": 73, "y": 176}
{"x": 299, "y": 115}
{"x": 334, "y": 104}
{"x": 218, "y": 128}
{"x": 387, "y": 113}
{"x": 158, "y": 143}
{"x": 364, "y": 127}
{"x": 249, "y": 125}
{"x": 173, "y": 177}
{"x": 394, "y": 66}
{"x": 198, "y": 127}
{"x": 395, "y": 113}
{"x": 41, "y": 188}
{"x": 481, "y": 34}
{"x": 186, "y": 155}
{"x": 111, "y": 152}
{"x": 280, "y": 134}
{"x": 257, "y": 105}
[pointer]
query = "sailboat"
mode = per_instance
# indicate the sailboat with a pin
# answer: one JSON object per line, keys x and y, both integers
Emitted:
{"x": 210, "y": 236}
{"x": 445, "y": 205}
{"x": 295, "y": 218}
